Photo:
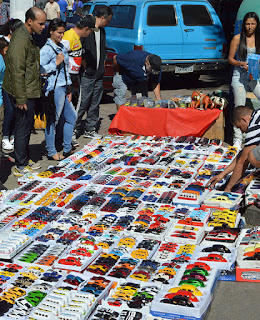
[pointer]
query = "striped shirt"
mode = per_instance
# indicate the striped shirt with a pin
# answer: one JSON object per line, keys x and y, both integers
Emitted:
{"x": 253, "y": 131}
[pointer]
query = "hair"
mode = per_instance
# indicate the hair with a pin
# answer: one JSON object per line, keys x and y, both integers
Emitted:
{"x": 242, "y": 47}
{"x": 240, "y": 112}
{"x": 31, "y": 13}
{"x": 54, "y": 25}
{"x": 3, "y": 44}
{"x": 104, "y": 11}
{"x": 10, "y": 26}
{"x": 87, "y": 21}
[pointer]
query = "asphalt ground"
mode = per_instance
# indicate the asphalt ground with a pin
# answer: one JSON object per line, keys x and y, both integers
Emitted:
{"x": 233, "y": 300}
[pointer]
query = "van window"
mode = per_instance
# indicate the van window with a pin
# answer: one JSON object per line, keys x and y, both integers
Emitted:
{"x": 196, "y": 15}
{"x": 161, "y": 16}
{"x": 86, "y": 9}
{"x": 123, "y": 17}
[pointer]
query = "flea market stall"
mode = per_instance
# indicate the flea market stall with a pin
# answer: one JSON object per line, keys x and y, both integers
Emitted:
{"x": 125, "y": 228}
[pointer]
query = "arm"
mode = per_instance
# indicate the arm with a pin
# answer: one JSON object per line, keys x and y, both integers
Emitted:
{"x": 240, "y": 168}
{"x": 212, "y": 182}
{"x": 157, "y": 92}
{"x": 17, "y": 56}
{"x": 232, "y": 53}
{"x": 48, "y": 61}
{"x": 116, "y": 65}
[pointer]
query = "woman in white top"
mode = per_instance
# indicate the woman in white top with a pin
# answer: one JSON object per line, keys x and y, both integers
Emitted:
{"x": 242, "y": 45}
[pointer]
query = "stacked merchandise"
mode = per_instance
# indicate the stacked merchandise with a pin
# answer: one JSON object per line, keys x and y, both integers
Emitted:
{"x": 126, "y": 228}
{"x": 197, "y": 100}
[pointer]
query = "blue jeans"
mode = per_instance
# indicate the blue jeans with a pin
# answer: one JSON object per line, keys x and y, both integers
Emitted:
{"x": 241, "y": 85}
{"x": 8, "y": 125}
{"x": 63, "y": 16}
{"x": 65, "y": 113}
{"x": 120, "y": 89}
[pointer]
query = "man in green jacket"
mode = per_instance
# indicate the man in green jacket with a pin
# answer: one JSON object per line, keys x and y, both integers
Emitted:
{"x": 22, "y": 81}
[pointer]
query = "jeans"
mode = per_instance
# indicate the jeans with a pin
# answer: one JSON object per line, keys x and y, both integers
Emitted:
{"x": 241, "y": 85}
{"x": 91, "y": 90}
{"x": 63, "y": 16}
{"x": 65, "y": 113}
{"x": 24, "y": 120}
{"x": 120, "y": 89}
{"x": 8, "y": 125}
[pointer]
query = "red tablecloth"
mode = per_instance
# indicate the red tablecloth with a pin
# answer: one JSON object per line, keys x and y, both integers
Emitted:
{"x": 162, "y": 122}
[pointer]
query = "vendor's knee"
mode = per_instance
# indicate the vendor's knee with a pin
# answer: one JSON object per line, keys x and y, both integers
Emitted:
{"x": 253, "y": 159}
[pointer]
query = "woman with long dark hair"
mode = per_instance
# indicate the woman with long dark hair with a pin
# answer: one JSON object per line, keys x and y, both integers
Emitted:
{"x": 242, "y": 45}
{"x": 55, "y": 63}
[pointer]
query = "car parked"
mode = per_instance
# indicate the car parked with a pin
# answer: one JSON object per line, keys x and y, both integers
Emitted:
{"x": 187, "y": 35}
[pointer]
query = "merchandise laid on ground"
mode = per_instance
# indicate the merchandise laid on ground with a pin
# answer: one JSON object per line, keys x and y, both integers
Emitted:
{"x": 125, "y": 228}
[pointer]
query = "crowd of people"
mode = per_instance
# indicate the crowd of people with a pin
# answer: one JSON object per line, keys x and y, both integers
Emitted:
{"x": 76, "y": 58}
{"x": 60, "y": 8}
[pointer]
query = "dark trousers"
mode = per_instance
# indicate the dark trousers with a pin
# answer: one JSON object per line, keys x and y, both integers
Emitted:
{"x": 23, "y": 124}
{"x": 139, "y": 87}
{"x": 8, "y": 125}
{"x": 91, "y": 94}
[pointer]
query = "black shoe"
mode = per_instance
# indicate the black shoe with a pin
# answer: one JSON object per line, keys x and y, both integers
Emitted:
{"x": 67, "y": 154}
{"x": 33, "y": 131}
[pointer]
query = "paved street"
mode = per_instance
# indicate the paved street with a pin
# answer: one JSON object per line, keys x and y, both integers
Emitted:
{"x": 233, "y": 300}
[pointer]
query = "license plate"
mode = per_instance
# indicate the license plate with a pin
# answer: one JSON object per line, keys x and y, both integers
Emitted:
{"x": 184, "y": 69}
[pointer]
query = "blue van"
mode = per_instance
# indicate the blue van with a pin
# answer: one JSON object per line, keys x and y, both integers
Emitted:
{"x": 186, "y": 34}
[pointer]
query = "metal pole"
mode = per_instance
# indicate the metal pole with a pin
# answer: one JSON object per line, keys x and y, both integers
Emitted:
{"x": 19, "y": 7}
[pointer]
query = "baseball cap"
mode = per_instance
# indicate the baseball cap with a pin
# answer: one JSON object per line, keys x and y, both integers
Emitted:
{"x": 87, "y": 21}
{"x": 155, "y": 62}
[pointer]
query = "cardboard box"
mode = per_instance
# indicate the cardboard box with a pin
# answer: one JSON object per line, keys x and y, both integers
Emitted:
{"x": 248, "y": 275}
{"x": 254, "y": 67}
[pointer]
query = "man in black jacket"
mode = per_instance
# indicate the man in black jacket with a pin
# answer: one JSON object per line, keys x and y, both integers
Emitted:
{"x": 94, "y": 56}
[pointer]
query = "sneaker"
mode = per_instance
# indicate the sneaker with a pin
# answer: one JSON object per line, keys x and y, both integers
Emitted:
{"x": 20, "y": 172}
{"x": 7, "y": 145}
{"x": 74, "y": 143}
{"x": 76, "y": 134}
{"x": 34, "y": 165}
{"x": 92, "y": 134}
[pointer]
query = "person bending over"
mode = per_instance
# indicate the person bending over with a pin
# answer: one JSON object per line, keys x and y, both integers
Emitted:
{"x": 248, "y": 121}
{"x": 132, "y": 70}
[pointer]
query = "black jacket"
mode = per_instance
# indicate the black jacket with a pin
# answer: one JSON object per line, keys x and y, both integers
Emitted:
{"x": 90, "y": 55}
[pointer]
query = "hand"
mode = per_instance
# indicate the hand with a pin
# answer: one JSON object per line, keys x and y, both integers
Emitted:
{"x": 227, "y": 189}
{"x": 69, "y": 97}
{"x": 59, "y": 59}
{"x": 244, "y": 65}
{"x": 84, "y": 64}
{"x": 214, "y": 180}
{"x": 22, "y": 106}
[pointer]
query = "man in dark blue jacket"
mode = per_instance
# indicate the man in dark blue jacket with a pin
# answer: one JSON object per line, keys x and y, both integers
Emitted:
{"x": 132, "y": 70}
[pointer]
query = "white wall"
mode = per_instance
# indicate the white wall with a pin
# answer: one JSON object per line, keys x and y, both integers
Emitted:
{"x": 19, "y": 7}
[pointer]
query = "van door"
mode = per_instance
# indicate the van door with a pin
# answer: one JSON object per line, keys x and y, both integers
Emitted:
{"x": 162, "y": 34}
{"x": 203, "y": 35}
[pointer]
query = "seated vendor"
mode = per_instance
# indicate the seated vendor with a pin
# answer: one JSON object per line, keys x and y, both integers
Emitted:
{"x": 132, "y": 70}
{"x": 247, "y": 120}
